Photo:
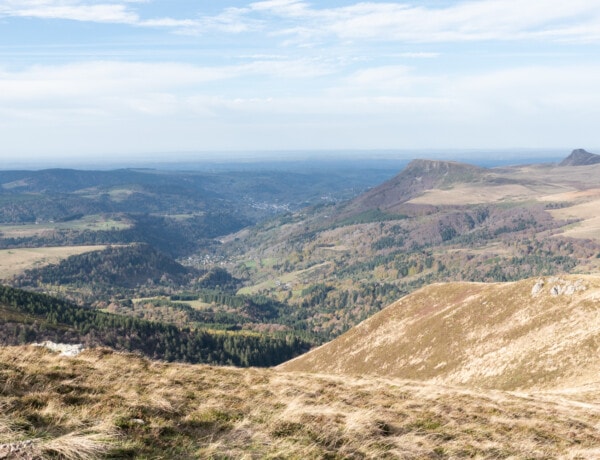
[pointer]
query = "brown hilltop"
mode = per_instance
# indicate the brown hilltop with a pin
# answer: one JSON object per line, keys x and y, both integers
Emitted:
{"x": 526, "y": 334}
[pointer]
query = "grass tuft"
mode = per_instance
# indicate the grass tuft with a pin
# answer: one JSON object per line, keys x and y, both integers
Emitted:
{"x": 80, "y": 445}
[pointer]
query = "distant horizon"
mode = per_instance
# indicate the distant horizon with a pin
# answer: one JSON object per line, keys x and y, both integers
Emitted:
{"x": 237, "y": 159}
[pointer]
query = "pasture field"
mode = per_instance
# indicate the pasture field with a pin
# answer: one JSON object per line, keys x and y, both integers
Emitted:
{"x": 195, "y": 304}
{"x": 584, "y": 207}
{"x": 293, "y": 278}
{"x": 15, "y": 261}
{"x": 93, "y": 223}
{"x": 466, "y": 194}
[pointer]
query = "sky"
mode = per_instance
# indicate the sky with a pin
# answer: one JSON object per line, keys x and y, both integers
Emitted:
{"x": 125, "y": 78}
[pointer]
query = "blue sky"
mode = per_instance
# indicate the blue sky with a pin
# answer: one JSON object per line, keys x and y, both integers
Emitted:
{"x": 117, "y": 78}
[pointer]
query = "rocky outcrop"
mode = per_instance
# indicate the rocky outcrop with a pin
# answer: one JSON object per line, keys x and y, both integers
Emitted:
{"x": 558, "y": 286}
{"x": 537, "y": 288}
{"x": 63, "y": 348}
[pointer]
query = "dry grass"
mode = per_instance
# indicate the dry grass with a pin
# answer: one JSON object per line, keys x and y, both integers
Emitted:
{"x": 89, "y": 223}
{"x": 293, "y": 278}
{"x": 496, "y": 335}
{"x": 583, "y": 205}
{"x": 587, "y": 214}
{"x": 15, "y": 261}
{"x": 587, "y": 229}
{"x": 534, "y": 181}
{"x": 574, "y": 195}
{"x": 465, "y": 194}
{"x": 103, "y": 404}
{"x": 86, "y": 445}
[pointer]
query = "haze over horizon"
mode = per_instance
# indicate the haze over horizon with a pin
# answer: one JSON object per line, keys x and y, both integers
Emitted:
{"x": 111, "y": 80}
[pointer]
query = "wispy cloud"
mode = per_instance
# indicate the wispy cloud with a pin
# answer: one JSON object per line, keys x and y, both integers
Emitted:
{"x": 81, "y": 83}
{"x": 301, "y": 21}
{"x": 464, "y": 21}
{"x": 289, "y": 8}
{"x": 116, "y": 12}
{"x": 114, "y": 87}
{"x": 230, "y": 20}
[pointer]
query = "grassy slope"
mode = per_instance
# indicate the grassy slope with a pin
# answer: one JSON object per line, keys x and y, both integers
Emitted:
{"x": 486, "y": 335}
{"x": 104, "y": 404}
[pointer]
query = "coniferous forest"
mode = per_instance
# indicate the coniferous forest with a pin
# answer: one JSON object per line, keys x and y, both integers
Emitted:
{"x": 36, "y": 317}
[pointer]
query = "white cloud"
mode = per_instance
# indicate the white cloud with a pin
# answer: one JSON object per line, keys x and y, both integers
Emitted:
{"x": 99, "y": 85}
{"x": 349, "y": 90}
{"x": 464, "y": 21}
{"x": 292, "y": 8}
{"x": 169, "y": 22}
{"x": 534, "y": 91}
{"x": 418, "y": 55}
{"x": 383, "y": 81}
{"x": 101, "y": 78}
{"x": 231, "y": 20}
{"x": 575, "y": 20}
{"x": 69, "y": 9}
{"x": 176, "y": 106}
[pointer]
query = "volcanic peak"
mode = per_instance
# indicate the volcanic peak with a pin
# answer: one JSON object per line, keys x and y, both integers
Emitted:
{"x": 580, "y": 157}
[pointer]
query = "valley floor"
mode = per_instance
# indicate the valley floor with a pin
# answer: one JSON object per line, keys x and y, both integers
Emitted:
{"x": 103, "y": 404}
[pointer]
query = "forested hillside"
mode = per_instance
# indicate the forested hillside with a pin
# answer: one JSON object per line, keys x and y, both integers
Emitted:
{"x": 316, "y": 271}
{"x": 111, "y": 271}
{"x": 435, "y": 221}
{"x": 175, "y": 236}
{"x": 29, "y": 317}
{"x": 57, "y": 194}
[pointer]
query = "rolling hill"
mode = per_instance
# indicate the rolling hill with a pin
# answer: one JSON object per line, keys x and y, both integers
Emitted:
{"x": 435, "y": 221}
{"x": 55, "y": 194}
{"x": 459, "y": 369}
{"x": 326, "y": 267}
{"x": 416, "y": 178}
{"x": 535, "y": 333}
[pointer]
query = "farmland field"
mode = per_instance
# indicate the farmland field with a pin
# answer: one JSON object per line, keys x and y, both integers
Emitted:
{"x": 15, "y": 261}
{"x": 92, "y": 223}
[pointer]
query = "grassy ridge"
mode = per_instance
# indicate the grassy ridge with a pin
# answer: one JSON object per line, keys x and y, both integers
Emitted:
{"x": 535, "y": 333}
{"x": 103, "y": 404}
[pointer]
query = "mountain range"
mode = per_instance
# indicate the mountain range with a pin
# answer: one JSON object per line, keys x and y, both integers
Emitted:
{"x": 455, "y": 309}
